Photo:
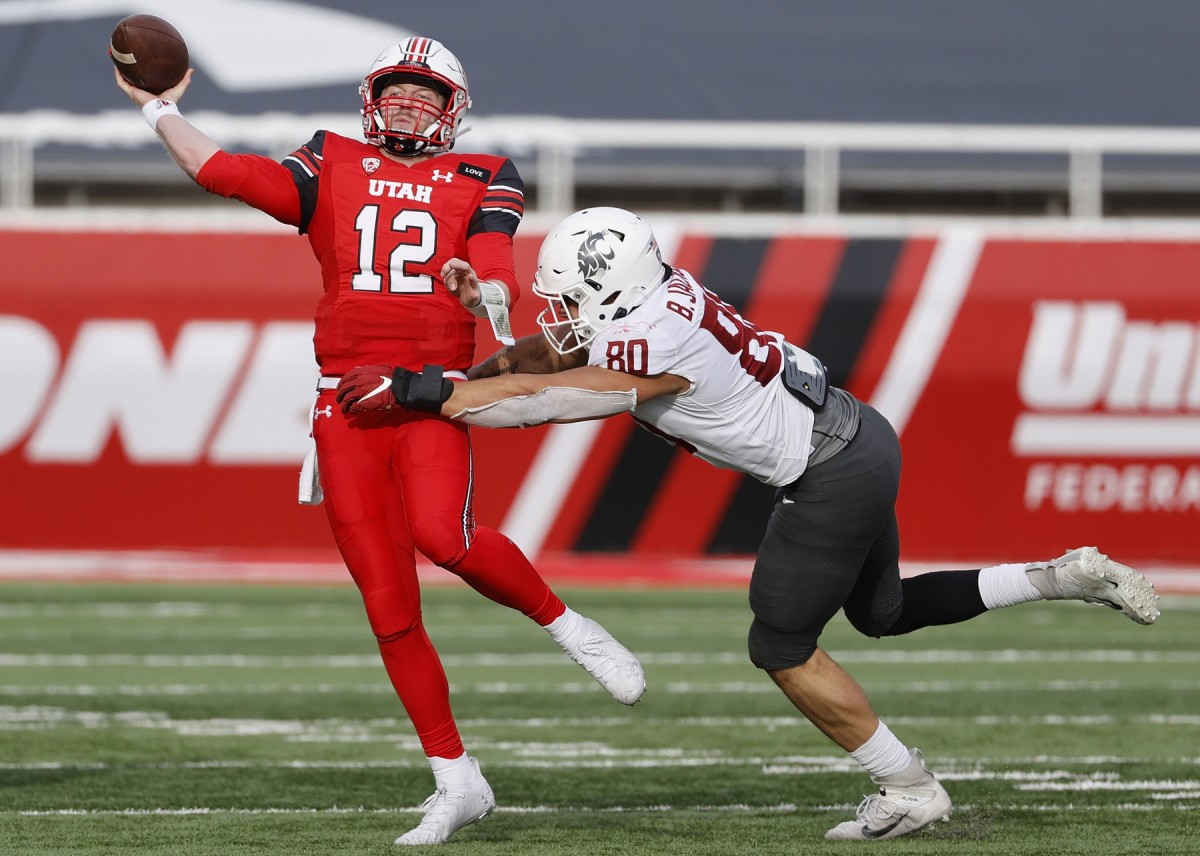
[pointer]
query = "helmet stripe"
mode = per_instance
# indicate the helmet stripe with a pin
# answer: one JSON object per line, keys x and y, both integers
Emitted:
{"x": 417, "y": 49}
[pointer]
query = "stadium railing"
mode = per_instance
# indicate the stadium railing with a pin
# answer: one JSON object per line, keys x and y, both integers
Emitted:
{"x": 819, "y": 163}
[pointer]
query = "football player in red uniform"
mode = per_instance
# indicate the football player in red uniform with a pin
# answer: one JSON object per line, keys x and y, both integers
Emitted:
{"x": 413, "y": 242}
{"x": 630, "y": 334}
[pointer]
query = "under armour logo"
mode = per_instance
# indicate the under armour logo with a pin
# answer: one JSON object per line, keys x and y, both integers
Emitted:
{"x": 327, "y": 410}
{"x": 438, "y": 175}
{"x": 594, "y": 254}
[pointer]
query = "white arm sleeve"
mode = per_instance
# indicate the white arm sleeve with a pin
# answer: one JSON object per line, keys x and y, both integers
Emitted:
{"x": 548, "y": 405}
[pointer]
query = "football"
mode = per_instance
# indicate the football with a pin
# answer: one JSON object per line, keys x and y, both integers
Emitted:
{"x": 149, "y": 52}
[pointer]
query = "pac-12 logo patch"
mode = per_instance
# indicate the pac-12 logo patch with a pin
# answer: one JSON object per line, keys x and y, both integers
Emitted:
{"x": 370, "y": 165}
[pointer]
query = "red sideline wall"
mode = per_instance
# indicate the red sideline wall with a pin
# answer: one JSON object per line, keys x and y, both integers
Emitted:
{"x": 1047, "y": 393}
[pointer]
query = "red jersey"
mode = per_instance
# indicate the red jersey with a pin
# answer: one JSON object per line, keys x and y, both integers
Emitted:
{"x": 381, "y": 231}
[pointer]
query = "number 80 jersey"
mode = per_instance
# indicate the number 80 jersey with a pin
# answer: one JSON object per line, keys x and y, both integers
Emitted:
{"x": 737, "y": 414}
{"x": 381, "y": 231}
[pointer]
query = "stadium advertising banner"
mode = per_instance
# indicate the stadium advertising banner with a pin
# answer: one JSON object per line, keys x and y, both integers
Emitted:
{"x": 1046, "y": 392}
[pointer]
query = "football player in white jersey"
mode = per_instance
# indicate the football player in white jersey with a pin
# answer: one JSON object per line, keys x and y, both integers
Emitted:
{"x": 624, "y": 332}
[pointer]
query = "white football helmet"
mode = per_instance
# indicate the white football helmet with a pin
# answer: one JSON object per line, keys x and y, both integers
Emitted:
{"x": 417, "y": 60}
{"x": 594, "y": 268}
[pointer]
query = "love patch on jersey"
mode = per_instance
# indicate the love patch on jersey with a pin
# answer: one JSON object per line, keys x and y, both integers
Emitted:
{"x": 476, "y": 172}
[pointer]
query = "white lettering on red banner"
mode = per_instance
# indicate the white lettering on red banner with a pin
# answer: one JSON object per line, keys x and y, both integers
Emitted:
{"x": 1104, "y": 487}
{"x": 229, "y": 392}
{"x": 1101, "y": 385}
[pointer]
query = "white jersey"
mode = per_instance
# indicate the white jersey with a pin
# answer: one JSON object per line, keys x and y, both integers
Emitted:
{"x": 737, "y": 414}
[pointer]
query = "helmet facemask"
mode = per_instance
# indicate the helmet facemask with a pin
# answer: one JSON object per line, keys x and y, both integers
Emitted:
{"x": 565, "y": 328}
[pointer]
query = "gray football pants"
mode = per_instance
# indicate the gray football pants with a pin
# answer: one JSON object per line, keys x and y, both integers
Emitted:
{"x": 831, "y": 543}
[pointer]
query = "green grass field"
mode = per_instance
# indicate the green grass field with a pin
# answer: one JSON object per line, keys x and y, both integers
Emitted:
{"x": 171, "y": 719}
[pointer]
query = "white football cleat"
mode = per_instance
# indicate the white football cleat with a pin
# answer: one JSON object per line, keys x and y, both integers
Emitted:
{"x": 1087, "y": 574}
{"x": 607, "y": 660}
{"x": 446, "y": 811}
{"x": 897, "y": 809}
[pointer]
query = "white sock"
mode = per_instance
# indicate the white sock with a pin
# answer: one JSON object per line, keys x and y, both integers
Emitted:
{"x": 1006, "y": 585}
{"x": 453, "y": 774}
{"x": 565, "y": 626}
{"x": 883, "y": 755}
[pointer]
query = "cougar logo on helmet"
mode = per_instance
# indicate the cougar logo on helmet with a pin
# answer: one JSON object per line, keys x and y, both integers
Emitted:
{"x": 594, "y": 255}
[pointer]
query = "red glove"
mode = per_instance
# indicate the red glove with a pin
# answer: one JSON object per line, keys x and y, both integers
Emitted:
{"x": 386, "y": 388}
{"x": 367, "y": 388}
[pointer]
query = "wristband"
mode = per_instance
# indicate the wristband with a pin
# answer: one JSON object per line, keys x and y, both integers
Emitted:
{"x": 493, "y": 302}
{"x": 425, "y": 390}
{"x": 156, "y": 108}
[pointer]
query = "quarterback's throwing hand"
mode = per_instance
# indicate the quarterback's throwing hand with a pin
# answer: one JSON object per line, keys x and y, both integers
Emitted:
{"x": 366, "y": 388}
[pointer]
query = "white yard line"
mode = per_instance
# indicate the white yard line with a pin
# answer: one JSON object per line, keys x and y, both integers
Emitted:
{"x": 573, "y": 688}
{"x": 734, "y": 808}
{"x": 950, "y": 769}
{"x": 390, "y": 729}
{"x": 372, "y": 661}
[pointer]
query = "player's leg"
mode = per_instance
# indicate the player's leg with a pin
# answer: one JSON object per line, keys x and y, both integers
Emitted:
{"x": 583, "y": 639}
{"x": 366, "y": 514}
{"x": 435, "y": 467}
{"x": 909, "y": 797}
{"x": 884, "y": 605}
{"x": 808, "y": 566}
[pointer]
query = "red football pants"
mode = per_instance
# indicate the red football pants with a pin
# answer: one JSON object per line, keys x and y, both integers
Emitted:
{"x": 399, "y": 482}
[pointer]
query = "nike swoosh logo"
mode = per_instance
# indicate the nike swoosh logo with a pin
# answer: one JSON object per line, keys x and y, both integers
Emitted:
{"x": 787, "y": 501}
{"x": 387, "y": 382}
{"x": 868, "y": 832}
